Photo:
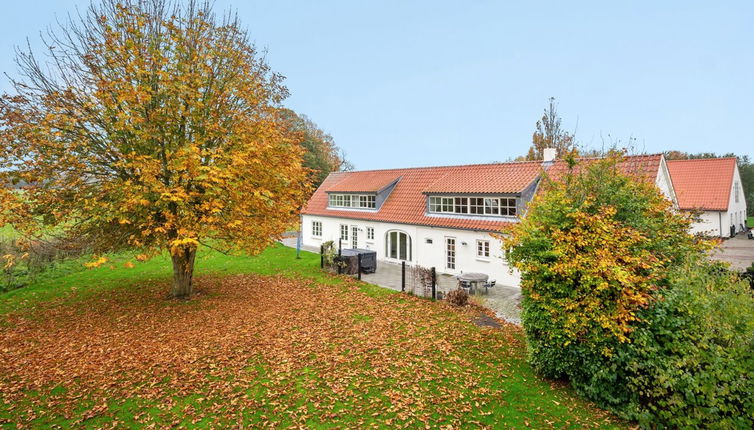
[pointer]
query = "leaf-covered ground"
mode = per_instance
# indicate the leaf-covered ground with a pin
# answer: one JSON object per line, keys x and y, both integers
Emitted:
{"x": 270, "y": 351}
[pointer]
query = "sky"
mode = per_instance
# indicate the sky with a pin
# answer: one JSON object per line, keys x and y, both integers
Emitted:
{"x": 422, "y": 83}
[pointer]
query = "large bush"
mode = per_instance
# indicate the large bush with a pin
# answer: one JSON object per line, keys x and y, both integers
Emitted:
{"x": 601, "y": 255}
{"x": 690, "y": 362}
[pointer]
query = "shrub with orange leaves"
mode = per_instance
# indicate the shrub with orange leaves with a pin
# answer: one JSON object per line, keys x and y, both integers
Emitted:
{"x": 619, "y": 299}
{"x": 593, "y": 248}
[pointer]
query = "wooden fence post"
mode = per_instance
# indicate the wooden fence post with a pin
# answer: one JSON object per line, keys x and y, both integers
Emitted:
{"x": 434, "y": 284}
{"x": 403, "y": 276}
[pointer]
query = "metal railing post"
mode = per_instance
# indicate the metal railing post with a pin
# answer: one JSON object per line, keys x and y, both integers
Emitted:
{"x": 322, "y": 256}
{"x": 340, "y": 259}
{"x": 403, "y": 276}
{"x": 358, "y": 258}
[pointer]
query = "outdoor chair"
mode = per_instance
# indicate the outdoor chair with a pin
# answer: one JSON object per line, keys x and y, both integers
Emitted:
{"x": 488, "y": 285}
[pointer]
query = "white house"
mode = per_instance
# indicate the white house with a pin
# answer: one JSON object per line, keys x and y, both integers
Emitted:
{"x": 440, "y": 217}
{"x": 712, "y": 188}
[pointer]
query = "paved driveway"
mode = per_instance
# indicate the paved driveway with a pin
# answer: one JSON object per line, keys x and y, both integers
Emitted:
{"x": 738, "y": 251}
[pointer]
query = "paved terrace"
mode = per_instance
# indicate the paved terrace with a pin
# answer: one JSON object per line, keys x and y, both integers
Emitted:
{"x": 501, "y": 299}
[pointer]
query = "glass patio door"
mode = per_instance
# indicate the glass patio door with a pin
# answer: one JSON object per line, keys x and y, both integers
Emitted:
{"x": 398, "y": 246}
{"x": 354, "y": 236}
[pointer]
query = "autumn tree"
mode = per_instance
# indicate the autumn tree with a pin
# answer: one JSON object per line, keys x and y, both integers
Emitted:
{"x": 150, "y": 125}
{"x": 321, "y": 154}
{"x": 550, "y": 134}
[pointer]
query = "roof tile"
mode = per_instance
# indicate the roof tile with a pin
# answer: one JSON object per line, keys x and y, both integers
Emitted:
{"x": 703, "y": 183}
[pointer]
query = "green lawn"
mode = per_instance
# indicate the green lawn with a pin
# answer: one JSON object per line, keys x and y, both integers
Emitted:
{"x": 750, "y": 222}
{"x": 269, "y": 341}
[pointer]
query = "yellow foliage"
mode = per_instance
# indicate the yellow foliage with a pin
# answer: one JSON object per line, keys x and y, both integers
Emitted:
{"x": 214, "y": 160}
{"x": 96, "y": 263}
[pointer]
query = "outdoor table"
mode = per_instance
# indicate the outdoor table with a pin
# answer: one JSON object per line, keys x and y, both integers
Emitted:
{"x": 473, "y": 278}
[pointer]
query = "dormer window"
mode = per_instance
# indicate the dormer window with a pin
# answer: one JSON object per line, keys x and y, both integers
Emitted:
{"x": 354, "y": 201}
{"x": 486, "y": 206}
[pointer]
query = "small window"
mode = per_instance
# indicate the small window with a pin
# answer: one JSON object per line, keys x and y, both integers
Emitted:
{"x": 367, "y": 202}
{"x": 344, "y": 232}
{"x": 476, "y": 205}
{"x": 735, "y": 190}
{"x": 462, "y": 205}
{"x": 435, "y": 204}
{"x": 317, "y": 228}
{"x": 483, "y": 248}
{"x": 492, "y": 206}
{"x": 370, "y": 233}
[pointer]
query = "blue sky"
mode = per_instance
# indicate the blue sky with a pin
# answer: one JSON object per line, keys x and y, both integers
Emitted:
{"x": 410, "y": 83}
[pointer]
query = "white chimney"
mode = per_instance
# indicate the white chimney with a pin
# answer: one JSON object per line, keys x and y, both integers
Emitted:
{"x": 549, "y": 154}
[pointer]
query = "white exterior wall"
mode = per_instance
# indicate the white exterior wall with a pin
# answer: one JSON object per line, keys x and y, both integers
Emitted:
{"x": 708, "y": 224}
{"x": 717, "y": 223}
{"x": 664, "y": 183}
{"x": 422, "y": 253}
{"x": 736, "y": 214}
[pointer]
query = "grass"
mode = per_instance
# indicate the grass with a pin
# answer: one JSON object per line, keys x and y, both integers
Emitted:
{"x": 750, "y": 222}
{"x": 269, "y": 341}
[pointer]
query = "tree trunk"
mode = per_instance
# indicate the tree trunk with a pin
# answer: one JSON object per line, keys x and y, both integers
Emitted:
{"x": 183, "y": 273}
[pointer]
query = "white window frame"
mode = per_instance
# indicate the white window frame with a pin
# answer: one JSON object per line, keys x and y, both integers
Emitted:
{"x": 473, "y": 205}
{"x": 736, "y": 187}
{"x": 355, "y": 201}
{"x": 370, "y": 233}
{"x": 483, "y": 249}
{"x": 317, "y": 228}
{"x": 344, "y": 232}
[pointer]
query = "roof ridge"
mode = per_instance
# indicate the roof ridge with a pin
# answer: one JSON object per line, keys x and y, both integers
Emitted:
{"x": 446, "y": 166}
{"x": 705, "y": 159}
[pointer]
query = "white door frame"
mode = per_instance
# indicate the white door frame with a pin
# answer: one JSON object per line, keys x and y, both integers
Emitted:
{"x": 354, "y": 236}
{"x": 451, "y": 241}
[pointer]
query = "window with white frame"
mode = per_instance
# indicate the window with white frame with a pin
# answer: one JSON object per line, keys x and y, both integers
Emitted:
{"x": 483, "y": 248}
{"x": 488, "y": 206}
{"x": 356, "y": 201}
{"x": 344, "y": 232}
{"x": 317, "y": 228}
{"x": 370, "y": 233}
{"x": 735, "y": 190}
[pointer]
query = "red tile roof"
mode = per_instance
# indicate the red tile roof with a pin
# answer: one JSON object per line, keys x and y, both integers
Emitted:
{"x": 644, "y": 167}
{"x": 703, "y": 183}
{"x": 365, "y": 182}
{"x": 406, "y": 204}
{"x": 487, "y": 178}
{"x": 407, "y": 201}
